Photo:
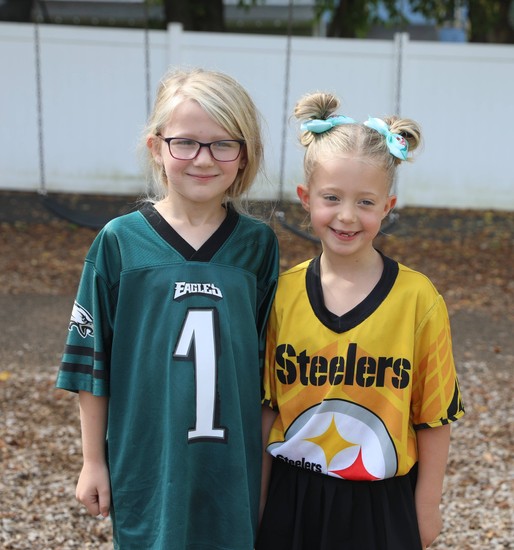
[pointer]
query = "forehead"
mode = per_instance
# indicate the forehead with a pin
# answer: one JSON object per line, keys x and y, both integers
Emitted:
{"x": 192, "y": 120}
{"x": 349, "y": 171}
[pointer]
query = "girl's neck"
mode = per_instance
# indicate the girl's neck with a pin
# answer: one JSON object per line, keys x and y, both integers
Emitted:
{"x": 195, "y": 223}
{"x": 346, "y": 282}
{"x": 352, "y": 267}
{"x": 190, "y": 213}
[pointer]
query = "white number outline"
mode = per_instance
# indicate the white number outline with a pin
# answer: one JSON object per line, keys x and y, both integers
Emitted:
{"x": 197, "y": 342}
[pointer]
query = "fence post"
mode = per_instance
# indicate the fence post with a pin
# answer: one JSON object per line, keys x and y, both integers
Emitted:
{"x": 400, "y": 41}
{"x": 175, "y": 34}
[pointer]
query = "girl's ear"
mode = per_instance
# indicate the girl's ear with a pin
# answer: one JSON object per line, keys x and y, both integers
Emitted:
{"x": 243, "y": 161}
{"x": 389, "y": 205}
{"x": 303, "y": 194}
{"x": 154, "y": 144}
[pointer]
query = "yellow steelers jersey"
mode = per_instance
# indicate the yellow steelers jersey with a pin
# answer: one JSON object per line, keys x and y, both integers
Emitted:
{"x": 351, "y": 391}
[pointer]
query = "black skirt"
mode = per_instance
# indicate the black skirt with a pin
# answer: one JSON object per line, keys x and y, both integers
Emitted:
{"x": 311, "y": 511}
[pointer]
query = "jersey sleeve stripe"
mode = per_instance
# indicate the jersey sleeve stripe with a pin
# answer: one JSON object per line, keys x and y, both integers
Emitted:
{"x": 83, "y": 351}
{"x": 84, "y": 369}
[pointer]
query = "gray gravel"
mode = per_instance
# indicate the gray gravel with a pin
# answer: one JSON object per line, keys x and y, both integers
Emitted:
{"x": 40, "y": 436}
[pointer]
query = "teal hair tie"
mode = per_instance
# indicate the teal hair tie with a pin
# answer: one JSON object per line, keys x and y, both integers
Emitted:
{"x": 319, "y": 126}
{"x": 396, "y": 143}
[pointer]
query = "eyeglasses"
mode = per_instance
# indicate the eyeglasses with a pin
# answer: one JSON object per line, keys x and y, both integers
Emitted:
{"x": 225, "y": 150}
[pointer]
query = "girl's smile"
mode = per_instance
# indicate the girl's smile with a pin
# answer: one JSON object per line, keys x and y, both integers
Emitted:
{"x": 203, "y": 179}
{"x": 344, "y": 235}
{"x": 347, "y": 199}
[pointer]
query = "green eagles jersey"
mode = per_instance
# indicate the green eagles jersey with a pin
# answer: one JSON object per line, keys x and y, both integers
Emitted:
{"x": 175, "y": 338}
{"x": 351, "y": 391}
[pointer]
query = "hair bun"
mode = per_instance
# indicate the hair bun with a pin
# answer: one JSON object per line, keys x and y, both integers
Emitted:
{"x": 314, "y": 106}
{"x": 407, "y": 128}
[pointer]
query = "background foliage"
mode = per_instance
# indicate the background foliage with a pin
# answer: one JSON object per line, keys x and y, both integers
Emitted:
{"x": 489, "y": 21}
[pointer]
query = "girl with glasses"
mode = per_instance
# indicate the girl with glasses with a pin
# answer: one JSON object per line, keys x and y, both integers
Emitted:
{"x": 166, "y": 336}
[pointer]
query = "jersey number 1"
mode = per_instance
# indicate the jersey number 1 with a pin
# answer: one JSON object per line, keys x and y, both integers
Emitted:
{"x": 197, "y": 342}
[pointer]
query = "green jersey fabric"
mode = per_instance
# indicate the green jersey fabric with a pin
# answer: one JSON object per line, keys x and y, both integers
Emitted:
{"x": 175, "y": 338}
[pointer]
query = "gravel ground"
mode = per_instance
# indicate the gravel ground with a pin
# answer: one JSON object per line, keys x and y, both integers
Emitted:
{"x": 465, "y": 254}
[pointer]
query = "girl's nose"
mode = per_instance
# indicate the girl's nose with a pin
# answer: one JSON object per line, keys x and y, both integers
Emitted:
{"x": 204, "y": 156}
{"x": 346, "y": 213}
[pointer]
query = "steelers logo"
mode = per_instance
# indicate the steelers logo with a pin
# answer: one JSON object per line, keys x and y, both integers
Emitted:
{"x": 341, "y": 439}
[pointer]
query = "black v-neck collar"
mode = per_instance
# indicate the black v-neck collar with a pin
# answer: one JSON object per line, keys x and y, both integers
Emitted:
{"x": 361, "y": 311}
{"x": 207, "y": 250}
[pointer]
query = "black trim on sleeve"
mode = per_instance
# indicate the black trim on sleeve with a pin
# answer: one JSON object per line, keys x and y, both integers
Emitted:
{"x": 80, "y": 368}
{"x": 85, "y": 351}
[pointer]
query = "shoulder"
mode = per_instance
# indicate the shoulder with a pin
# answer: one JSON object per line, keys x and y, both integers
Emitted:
{"x": 415, "y": 280}
{"x": 296, "y": 271}
{"x": 291, "y": 294}
{"x": 118, "y": 227}
{"x": 124, "y": 223}
{"x": 293, "y": 279}
{"x": 416, "y": 289}
{"x": 110, "y": 239}
{"x": 251, "y": 231}
{"x": 255, "y": 225}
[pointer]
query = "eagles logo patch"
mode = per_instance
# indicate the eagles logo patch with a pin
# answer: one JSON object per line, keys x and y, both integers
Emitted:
{"x": 82, "y": 320}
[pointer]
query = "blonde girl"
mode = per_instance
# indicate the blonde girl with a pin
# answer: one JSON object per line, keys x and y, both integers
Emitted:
{"x": 167, "y": 333}
{"x": 360, "y": 383}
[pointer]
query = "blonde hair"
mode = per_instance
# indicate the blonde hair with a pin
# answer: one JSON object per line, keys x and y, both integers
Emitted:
{"x": 354, "y": 139}
{"x": 226, "y": 101}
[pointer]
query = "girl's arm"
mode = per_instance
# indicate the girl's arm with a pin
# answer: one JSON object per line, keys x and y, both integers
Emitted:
{"x": 433, "y": 447}
{"x": 93, "y": 487}
{"x": 268, "y": 417}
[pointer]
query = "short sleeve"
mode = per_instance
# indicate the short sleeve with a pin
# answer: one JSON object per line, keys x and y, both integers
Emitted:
{"x": 269, "y": 386}
{"x": 86, "y": 357}
{"x": 436, "y": 397}
{"x": 268, "y": 276}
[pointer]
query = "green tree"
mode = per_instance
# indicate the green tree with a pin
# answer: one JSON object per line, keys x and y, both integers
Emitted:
{"x": 196, "y": 15}
{"x": 16, "y": 10}
{"x": 488, "y": 20}
{"x": 353, "y": 18}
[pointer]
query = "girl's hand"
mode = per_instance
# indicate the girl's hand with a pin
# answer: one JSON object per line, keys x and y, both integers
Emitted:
{"x": 430, "y": 523}
{"x": 93, "y": 489}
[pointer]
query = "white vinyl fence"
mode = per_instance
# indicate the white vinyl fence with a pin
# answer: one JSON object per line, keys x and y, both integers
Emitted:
{"x": 95, "y": 84}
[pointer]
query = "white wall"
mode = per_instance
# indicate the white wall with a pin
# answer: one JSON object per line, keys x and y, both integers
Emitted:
{"x": 94, "y": 105}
